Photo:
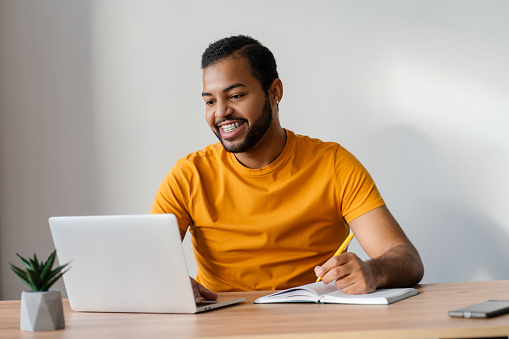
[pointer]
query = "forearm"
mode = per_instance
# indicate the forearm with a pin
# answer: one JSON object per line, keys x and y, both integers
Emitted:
{"x": 400, "y": 266}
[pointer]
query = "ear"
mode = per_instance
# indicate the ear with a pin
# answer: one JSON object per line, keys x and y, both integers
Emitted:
{"x": 276, "y": 92}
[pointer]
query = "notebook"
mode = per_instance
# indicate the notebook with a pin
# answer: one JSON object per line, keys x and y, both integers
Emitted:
{"x": 126, "y": 263}
{"x": 319, "y": 292}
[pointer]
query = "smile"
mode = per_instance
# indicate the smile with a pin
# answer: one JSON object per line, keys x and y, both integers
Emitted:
{"x": 231, "y": 127}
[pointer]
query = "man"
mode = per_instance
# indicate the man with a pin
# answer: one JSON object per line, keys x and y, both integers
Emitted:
{"x": 267, "y": 208}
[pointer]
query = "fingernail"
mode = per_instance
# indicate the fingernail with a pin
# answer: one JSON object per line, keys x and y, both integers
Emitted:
{"x": 197, "y": 299}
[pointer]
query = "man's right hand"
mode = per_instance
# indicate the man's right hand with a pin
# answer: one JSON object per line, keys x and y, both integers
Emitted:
{"x": 201, "y": 292}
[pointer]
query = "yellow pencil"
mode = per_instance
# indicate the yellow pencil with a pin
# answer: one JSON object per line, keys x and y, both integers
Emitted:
{"x": 341, "y": 249}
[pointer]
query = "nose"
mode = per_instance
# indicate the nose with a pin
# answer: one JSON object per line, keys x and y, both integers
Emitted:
{"x": 222, "y": 109}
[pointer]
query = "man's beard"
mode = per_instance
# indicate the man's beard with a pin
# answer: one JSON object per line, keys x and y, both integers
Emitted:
{"x": 254, "y": 133}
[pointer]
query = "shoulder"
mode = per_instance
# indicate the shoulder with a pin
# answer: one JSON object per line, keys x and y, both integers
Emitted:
{"x": 307, "y": 142}
{"x": 188, "y": 168}
{"x": 210, "y": 154}
{"x": 318, "y": 146}
{"x": 320, "y": 150}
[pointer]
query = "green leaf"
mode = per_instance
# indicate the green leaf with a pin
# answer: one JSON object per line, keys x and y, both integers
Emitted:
{"x": 56, "y": 271}
{"x": 21, "y": 274}
{"x": 52, "y": 281}
{"x": 35, "y": 264}
{"x": 38, "y": 274}
{"x": 47, "y": 266}
{"x": 24, "y": 261}
{"x": 34, "y": 279}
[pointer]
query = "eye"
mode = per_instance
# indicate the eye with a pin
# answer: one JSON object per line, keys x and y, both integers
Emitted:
{"x": 236, "y": 96}
{"x": 209, "y": 102}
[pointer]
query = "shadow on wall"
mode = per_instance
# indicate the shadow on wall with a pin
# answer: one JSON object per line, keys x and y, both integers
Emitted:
{"x": 456, "y": 241}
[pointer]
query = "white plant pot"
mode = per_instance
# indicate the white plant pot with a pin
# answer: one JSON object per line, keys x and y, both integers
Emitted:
{"x": 41, "y": 311}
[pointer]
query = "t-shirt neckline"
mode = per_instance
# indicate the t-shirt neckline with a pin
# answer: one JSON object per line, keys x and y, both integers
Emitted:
{"x": 280, "y": 160}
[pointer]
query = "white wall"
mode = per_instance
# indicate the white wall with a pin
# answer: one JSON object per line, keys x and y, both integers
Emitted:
{"x": 99, "y": 99}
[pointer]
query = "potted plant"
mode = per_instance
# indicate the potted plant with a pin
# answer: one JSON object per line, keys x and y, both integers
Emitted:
{"x": 41, "y": 309}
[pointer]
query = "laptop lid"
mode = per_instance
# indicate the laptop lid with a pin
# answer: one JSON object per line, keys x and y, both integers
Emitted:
{"x": 125, "y": 263}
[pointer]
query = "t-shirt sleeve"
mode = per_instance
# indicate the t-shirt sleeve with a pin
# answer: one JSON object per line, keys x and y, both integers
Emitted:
{"x": 173, "y": 195}
{"x": 357, "y": 192}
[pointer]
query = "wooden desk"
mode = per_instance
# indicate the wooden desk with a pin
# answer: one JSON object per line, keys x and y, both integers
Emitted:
{"x": 422, "y": 316}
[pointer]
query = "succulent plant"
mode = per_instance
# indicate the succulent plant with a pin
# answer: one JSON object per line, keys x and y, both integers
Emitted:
{"x": 38, "y": 275}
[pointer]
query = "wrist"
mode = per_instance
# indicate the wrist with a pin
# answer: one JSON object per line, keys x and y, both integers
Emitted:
{"x": 377, "y": 276}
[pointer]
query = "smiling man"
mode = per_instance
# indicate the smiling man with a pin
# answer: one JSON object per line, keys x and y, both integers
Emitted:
{"x": 266, "y": 207}
{"x": 240, "y": 112}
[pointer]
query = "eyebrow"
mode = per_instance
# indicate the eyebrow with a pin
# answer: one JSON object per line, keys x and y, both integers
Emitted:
{"x": 238, "y": 84}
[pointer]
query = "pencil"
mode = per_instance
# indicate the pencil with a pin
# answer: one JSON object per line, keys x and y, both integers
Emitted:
{"x": 341, "y": 249}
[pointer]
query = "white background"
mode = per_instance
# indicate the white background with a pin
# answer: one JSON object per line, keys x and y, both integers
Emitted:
{"x": 98, "y": 100}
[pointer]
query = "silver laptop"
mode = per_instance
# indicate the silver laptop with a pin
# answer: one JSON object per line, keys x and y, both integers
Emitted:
{"x": 129, "y": 263}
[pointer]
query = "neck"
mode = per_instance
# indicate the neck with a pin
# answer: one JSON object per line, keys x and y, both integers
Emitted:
{"x": 266, "y": 150}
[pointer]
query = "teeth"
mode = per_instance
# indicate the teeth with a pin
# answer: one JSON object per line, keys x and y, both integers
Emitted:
{"x": 231, "y": 127}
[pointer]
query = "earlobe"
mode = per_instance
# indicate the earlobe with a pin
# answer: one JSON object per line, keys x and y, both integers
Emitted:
{"x": 277, "y": 90}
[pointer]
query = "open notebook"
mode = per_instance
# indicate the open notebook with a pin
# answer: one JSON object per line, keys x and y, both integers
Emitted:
{"x": 321, "y": 293}
{"x": 126, "y": 263}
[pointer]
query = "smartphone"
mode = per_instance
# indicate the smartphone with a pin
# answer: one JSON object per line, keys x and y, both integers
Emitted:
{"x": 487, "y": 309}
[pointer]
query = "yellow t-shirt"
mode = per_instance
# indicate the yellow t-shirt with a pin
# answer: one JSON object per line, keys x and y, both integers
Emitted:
{"x": 265, "y": 229}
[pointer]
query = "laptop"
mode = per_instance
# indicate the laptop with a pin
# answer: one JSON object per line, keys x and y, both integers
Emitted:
{"x": 126, "y": 263}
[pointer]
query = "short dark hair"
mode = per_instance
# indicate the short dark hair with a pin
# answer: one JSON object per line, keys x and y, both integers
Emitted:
{"x": 260, "y": 58}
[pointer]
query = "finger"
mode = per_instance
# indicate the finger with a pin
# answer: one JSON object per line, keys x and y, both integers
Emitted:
{"x": 339, "y": 260}
{"x": 206, "y": 293}
{"x": 333, "y": 268}
{"x": 345, "y": 282}
{"x": 353, "y": 286}
{"x": 319, "y": 271}
{"x": 335, "y": 273}
{"x": 357, "y": 281}
{"x": 197, "y": 295}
